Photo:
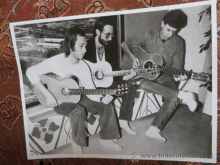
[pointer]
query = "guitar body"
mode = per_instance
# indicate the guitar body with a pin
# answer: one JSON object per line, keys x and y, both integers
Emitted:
{"x": 146, "y": 60}
{"x": 54, "y": 84}
{"x": 98, "y": 70}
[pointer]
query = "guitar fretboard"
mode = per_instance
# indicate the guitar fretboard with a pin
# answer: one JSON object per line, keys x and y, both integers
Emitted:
{"x": 175, "y": 71}
{"x": 92, "y": 91}
{"x": 124, "y": 72}
{"x": 195, "y": 76}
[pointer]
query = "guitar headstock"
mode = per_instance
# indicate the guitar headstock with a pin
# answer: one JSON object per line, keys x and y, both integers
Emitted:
{"x": 122, "y": 90}
{"x": 205, "y": 79}
{"x": 202, "y": 77}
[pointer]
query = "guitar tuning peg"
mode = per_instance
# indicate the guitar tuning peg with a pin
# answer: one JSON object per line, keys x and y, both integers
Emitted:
{"x": 119, "y": 88}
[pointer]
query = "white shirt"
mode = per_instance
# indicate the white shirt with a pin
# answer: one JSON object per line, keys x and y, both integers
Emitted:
{"x": 99, "y": 45}
{"x": 97, "y": 57}
{"x": 62, "y": 67}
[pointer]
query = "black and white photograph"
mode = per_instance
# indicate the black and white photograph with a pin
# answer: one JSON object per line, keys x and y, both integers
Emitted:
{"x": 133, "y": 84}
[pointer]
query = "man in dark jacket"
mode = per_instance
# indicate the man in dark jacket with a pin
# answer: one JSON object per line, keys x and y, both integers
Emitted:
{"x": 103, "y": 48}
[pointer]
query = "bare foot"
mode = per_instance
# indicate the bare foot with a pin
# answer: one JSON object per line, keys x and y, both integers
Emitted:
{"x": 188, "y": 98}
{"x": 124, "y": 125}
{"x": 154, "y": 133}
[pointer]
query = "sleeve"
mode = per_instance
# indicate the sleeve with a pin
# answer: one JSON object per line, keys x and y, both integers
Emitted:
{"x": 95, "y": 97}
{"x": 138, "y": 40}
{"x": 34, "y": 71}
{"x": 179, "y": 58}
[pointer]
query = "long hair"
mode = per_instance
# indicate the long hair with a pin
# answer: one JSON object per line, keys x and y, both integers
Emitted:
{"x": 176, "y": 19}
{"x": 70, "y": 39}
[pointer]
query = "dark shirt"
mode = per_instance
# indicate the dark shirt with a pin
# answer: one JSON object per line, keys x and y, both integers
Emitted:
{"x": 111, "y": 54}
{"x": 172, "y": 51}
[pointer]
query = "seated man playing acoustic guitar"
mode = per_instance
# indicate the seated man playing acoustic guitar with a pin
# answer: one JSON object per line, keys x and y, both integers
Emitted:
{"x": 100, "y": 49}
{"x": 170, "y": 47}
{"x": 71, "y": 63}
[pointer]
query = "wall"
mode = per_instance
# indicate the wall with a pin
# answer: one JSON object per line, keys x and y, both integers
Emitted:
{"x": 194, "y": 37}
{"x": 142, "y": 22}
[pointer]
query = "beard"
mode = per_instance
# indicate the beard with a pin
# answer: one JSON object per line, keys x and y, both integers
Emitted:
{"x": 166, "y": 38}
{"x": 103, "y": 42}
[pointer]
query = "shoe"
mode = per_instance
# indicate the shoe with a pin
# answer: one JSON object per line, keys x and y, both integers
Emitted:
{"x": 189, "y": 99}
{"x": 155, "y": 134}
{"x": 124, "y": 125}
{"x": 110, "y": 144}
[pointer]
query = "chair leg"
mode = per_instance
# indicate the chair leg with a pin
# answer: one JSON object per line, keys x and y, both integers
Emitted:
{"x": 97, "y": 129}
{"x": 144, "y": 95}
{"x": 142, "y": 100}
{"x": 156, "y": 100}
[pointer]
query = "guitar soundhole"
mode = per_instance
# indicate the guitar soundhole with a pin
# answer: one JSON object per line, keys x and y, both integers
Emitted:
{"x": 99, "y": 75}
{"x": 148, "y": 65}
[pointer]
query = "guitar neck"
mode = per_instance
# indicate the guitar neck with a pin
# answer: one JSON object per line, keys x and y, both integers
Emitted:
{"x": 117, "y": 73}
{"x": 193, "y": 75}
{"x": 124, "y": 72}
{"x": 175, "y": 71}
{"x": 90, "y": 92}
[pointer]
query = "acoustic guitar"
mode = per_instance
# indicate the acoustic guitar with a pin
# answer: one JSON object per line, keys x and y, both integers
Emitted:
{"x": 68, "y": 90}
{"x": 155, "y": 62}
{"x": 102, "y": 73}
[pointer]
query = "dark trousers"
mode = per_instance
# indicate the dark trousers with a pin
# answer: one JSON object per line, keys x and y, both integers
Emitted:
{"x": 126, "y": 110}
{"x": 165, "y": 86}
{"x": 109, "y": 128}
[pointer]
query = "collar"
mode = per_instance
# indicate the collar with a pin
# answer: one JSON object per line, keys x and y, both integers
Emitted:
{"x": 98, "y": 45}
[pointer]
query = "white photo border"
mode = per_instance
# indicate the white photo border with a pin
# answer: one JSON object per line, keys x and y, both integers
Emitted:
{"x": 214, "y": 78}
